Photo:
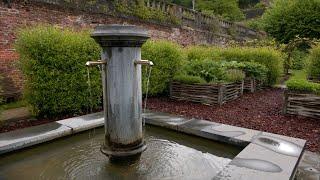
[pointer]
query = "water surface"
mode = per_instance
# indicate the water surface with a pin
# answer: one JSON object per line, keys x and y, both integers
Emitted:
{"x": 169, "y": 155}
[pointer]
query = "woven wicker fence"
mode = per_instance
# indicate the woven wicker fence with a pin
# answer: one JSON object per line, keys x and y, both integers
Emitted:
{"x": 210, "y": 94}
{"x": 303, "y": 104}
{"x": 252, "y": 85}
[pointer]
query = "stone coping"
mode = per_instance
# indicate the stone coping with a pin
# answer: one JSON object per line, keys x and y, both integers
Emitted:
{"x": 265, "y": 155}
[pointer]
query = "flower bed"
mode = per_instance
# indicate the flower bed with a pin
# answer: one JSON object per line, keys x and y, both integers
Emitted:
{"x": 210, "y": 94}
{"x": 302, "y": 103}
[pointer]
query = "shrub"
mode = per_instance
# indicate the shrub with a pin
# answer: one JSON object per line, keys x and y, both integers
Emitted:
{"x": 208, "y": 70}
{"x": 268, "y": 57}
{"x": 287, "y": 19}
{"x": 298, "y": 59}
{"x": 167, "y": 58}
{"x": 251, "y": 69}
{"x": 53, "y": 63}
{"x": 299, "y": 82}
{"x": 314, "y": 62}
{"x": 234, "y": 75}
{"x": 187, "y": 79}
{"x": 199, "y": 53}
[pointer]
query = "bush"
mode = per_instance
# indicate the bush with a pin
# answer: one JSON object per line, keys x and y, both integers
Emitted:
{"x": 208, "y": 70}
{"x": 314, "y": 62}
{"x": 287, "y": 19}
{"x": 187, "y": 79}
{"x": 299, "y": 82}
{"x": 298, "y": 59}
{"x": 251, "y": 69}
{"x": 199, "y": 53}
{"x": 53, "y": 63}
{"x": 167, "y": 59}
{"x": 268, "y": 57}
{"x": 234, "y": 75}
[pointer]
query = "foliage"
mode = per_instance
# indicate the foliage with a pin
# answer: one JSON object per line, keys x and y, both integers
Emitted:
{"x": 194, "y": 53}
{"x": 268, "y": 57}
{"x": 251, "y": 69}
{"x": 13, "y": 105}
{"x": 208, "y": 70}
{"x": 138, "y": 9}
{"x": 299, "y": 82}
{"x": 298, "y": 59}
{"x": 53, "y": 63}
{"x": 167, "y": 58}
{"x": 187, "y": 79}
{"x": 287, "y": 19}
{"x": 227, "y": 9}
{"x": 255, "y": 23}
{"x": 234, "y": 75}
{"x": 314, "y": 62}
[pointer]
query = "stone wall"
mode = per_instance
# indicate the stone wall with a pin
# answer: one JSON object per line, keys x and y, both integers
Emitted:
{"x": 21, "y": 15}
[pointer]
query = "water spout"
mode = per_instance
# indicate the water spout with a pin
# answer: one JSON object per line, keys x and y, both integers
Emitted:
{"x": 95, "y": 63}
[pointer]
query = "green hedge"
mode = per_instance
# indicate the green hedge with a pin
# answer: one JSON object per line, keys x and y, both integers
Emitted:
{"x": 299, "y": 82}
{"x": 314, "y": 62}
{"x": 268, "y": 57}
{"x": 167, "y": 58}
{"x": 53, "y": 63}
{"x": 187, "y": 79}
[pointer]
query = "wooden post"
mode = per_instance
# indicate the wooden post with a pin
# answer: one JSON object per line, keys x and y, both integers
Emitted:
{"x": 221, "y": 94}
{"x": 242, "y": 87}
{"x": 286, "y": 98}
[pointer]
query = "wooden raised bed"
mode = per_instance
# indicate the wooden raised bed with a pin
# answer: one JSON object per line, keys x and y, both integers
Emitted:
{"x": 302, "y": 103}
{"x": 252, "y": 85}
{"x": 210, "y": 94}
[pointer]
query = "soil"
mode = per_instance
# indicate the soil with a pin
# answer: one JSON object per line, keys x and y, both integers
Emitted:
{"x": 261, "y": 110}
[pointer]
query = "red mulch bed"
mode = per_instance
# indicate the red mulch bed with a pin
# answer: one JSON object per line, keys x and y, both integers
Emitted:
{"x": 261, "y": 110}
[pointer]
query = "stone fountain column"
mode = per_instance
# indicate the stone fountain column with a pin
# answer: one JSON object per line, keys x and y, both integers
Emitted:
{"x": 122, "y": 95}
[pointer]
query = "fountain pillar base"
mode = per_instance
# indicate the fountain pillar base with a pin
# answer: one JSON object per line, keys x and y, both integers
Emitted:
{"x": 124, "y": 153}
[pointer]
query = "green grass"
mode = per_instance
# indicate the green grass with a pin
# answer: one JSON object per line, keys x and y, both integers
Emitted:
{"x": 13, "y": 105}
{"x": 299, "y": 82}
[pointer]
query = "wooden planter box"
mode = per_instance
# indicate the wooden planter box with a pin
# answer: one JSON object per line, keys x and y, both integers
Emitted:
{"x": 252, "y": 85}
{"x": 210, "y": 94}
{"x": 314, "y": 79}
{"x": 302, "y": 103}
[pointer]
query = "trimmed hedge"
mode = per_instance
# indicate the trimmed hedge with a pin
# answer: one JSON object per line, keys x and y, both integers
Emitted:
{"x": 299, "y": 82}
{"x": 53, "y": 63}
{"x": 268, "y": 57}
{"x": 314, "y": 60}
{"x": 187, "y": 79}
{"x": 167, "y": 58}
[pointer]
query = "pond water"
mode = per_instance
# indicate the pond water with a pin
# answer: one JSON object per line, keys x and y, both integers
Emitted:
{"x": 169, "y": 155}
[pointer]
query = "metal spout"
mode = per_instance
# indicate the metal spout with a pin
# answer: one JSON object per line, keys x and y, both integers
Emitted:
{"x": 144, "y": 62}
{"x": 95, "y": 63}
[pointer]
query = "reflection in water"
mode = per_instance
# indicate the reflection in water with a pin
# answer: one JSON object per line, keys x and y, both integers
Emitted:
{"x": 169, "y": 155}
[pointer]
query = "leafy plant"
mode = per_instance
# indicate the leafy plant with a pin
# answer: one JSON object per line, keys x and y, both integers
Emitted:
{"x": 299, "y": 82}
{"x": 287, "y": 19}
{"x": 167, "y": 58}
{"x": 53, "y": 63}
{"x": 187, "y": 79}
{"x": 234, "y": 75}
{"x": 314, "y": 62}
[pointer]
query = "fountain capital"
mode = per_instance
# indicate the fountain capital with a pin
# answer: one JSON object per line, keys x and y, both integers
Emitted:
{"x": 120, "y": 35}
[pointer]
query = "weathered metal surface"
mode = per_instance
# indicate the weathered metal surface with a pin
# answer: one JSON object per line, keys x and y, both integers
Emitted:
{"x": 122, "y": 93}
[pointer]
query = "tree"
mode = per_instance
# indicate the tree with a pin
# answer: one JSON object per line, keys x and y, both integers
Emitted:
{"x": 287, "y": 19}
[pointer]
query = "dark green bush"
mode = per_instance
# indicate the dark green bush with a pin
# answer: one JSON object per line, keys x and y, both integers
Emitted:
{"x": 268, "y": 57}
{"x": 167, "y": 58}
{"x": 53, "y": 63}
{"x": 187, "y": 79}
{"x": 299, "y": 82}
{"x": 314, "y": 62}
{"x": 298, "y": 59}
{"x": 251, "y": 69}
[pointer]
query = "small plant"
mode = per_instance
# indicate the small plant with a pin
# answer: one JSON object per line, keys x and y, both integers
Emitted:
{"x": 299, "y": 82}
{"x": 187, "y": 79}
{"x": 234, "y": 75}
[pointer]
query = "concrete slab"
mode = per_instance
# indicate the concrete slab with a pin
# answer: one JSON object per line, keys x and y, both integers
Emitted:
{"x": 83, "y": 123}
{"x": 309, "y": 167}
{"x": 258, "y": 162}
{"x": 164, "y": 120}
{"x": 22, "y": 138}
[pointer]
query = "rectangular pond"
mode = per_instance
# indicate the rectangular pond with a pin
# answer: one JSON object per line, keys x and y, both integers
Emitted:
{"x": 169, "y": 155}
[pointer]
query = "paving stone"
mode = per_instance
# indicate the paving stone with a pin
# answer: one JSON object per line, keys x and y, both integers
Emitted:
{"x": 83, "y": 123}
{"x": 164, "y": 120}
{"x": 22, "y": 138}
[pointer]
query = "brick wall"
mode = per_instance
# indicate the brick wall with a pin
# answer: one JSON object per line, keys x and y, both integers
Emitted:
{"x": 21, "y": 15}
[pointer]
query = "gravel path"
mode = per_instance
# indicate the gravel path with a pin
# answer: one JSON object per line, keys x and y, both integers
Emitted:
{"x": 261, "y": 110}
